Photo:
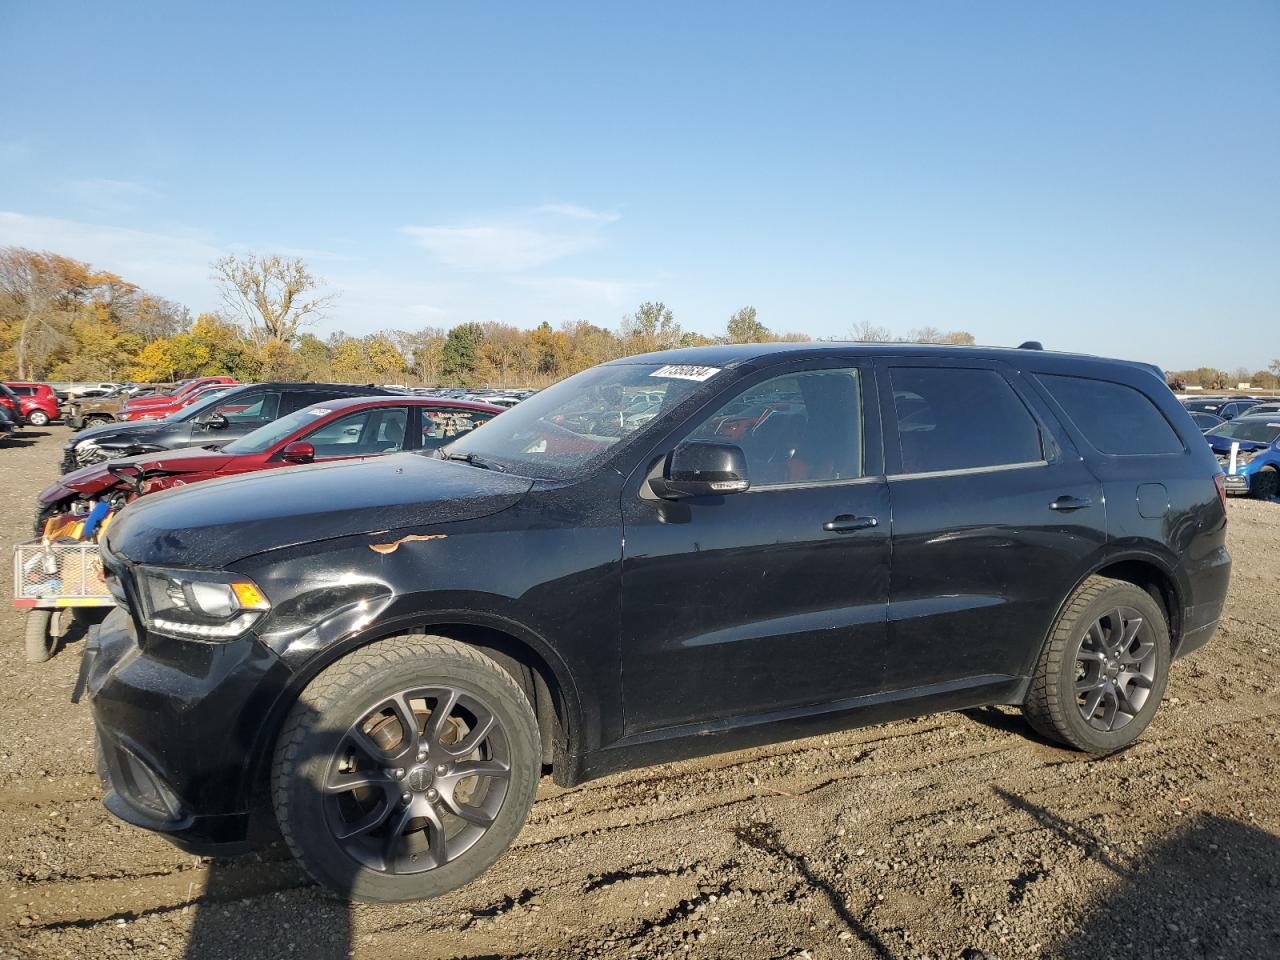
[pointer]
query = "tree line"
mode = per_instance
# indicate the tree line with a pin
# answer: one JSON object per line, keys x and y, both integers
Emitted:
{"x": 62, "y": 319}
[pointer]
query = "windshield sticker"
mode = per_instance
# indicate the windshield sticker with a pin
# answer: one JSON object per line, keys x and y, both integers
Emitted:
{"x": 679, "y": 372}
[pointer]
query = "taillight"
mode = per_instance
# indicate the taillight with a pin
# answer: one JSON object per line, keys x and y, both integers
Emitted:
{"x": 1220, "y": 481}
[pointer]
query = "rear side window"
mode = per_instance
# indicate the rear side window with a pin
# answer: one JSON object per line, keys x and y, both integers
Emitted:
{"x": 955, "y": 419}
{"x": 1114, "y": 418}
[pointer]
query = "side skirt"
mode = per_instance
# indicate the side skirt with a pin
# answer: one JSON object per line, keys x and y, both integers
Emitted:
{"x": 736, "y": 733}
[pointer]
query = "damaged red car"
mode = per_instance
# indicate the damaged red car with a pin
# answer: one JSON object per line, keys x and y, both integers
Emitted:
{"x": 323, "y": 432}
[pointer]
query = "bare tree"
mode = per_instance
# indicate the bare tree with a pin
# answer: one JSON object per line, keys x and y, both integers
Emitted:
{"x": 868, "y": 332}
{"x": 273, "y": 295}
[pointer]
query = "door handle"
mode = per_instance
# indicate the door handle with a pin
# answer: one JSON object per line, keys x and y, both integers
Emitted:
{"x": 847, "y": 523}
{"x": 1068, "y": 503}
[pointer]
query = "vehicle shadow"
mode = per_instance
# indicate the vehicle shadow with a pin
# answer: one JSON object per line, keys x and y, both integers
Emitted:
{"x": 1210, "y": 890}
{"x": 264, "y": 905}
{"x": 1008, "y": 720}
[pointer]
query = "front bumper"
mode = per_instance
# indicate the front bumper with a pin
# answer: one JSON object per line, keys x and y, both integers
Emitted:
{"x": 178, "y": 725}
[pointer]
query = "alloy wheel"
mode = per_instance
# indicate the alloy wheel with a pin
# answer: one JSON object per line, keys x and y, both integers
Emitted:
{"x": 1115, "y": 669}
{"x": 417, "y": 780}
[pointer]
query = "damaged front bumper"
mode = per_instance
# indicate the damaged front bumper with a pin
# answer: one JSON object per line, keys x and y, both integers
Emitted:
{"x": 177, "y": 723}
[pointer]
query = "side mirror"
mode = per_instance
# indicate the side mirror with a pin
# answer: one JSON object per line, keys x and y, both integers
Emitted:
{"x": 214, "y": 421}
{"x": 702, "y": 469}
{"x": 299, "y": 452}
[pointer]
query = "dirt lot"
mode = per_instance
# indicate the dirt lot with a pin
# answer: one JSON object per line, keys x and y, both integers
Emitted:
{"x": 957, "y": 835}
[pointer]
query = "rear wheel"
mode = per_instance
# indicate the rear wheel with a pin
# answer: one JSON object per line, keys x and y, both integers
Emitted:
{"x": 1266, "y": 484}
{"x": 96, "y": 420}
{"x": 38, "y": 418}
{"x": 1103, "y": 670}
{"x": 40, "y": 639}
{"x": 405, "y": 769}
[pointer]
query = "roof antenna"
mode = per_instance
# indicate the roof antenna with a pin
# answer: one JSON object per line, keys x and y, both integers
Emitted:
{"x": 1031, "y": 345}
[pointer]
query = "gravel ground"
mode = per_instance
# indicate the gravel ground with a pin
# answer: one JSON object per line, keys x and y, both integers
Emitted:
{"x": 958, "y": 835}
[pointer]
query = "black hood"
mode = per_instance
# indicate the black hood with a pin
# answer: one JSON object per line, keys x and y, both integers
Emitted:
{"x": 113, "y": 434}
{"x": 215, "y": 523}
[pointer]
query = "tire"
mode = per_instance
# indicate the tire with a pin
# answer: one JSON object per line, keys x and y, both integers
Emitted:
{"x": 1265, "y": 485}
{"x": 96, "y": 421}
{"x": 40, "y": 640}
{"x": 1086, "y": 651}
{"x": 38, "y": 418}
{"x": 328, "y": 739}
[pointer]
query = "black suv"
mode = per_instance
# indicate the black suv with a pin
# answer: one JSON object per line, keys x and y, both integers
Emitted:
{"x": 798, "y": 538}
{"x": 216, "y": 419}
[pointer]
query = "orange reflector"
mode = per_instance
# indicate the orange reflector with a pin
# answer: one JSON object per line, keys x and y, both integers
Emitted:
{"x": 250, "y": 597}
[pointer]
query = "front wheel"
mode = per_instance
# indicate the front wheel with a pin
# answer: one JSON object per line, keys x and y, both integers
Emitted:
{"x": 1103, "y": 671}
{"x": 38, "y": 418}
{"x": 405, "y": 769}
{"x": 1266, "y": 484}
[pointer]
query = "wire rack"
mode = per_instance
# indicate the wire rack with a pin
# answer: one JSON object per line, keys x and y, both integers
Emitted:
{"x": 58, "y": 571}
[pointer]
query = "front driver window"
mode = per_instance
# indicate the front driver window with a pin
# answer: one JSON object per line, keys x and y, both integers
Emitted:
{"x": 258, "y": 407}
{"x": 797, "y": 428}
{"x": 361, "y": 434}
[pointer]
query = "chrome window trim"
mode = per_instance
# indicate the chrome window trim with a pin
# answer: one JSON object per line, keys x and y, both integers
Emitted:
{"x": 965, "y": 471}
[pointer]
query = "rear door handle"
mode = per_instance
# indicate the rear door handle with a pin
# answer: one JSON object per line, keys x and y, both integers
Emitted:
{"x": 1066, "y": 503}
{"x": 847, "y": 523}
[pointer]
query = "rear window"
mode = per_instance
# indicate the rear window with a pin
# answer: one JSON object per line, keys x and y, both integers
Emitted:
{"x": 1114, "y": 418}
{"x": 956, "y": 419}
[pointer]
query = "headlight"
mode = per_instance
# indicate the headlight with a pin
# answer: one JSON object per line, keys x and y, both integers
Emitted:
{"x": 199, "y": 604}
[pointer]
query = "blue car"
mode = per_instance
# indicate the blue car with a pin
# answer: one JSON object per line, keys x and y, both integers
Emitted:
{"x": 1257, "y": 468}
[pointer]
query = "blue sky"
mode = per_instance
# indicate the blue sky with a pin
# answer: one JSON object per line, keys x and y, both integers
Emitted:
{"x": 1102, "y": 177}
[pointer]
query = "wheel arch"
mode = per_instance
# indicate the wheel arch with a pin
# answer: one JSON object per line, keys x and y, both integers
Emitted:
{"x": 1144, "y": 569}
{"x": 521, "y": 652}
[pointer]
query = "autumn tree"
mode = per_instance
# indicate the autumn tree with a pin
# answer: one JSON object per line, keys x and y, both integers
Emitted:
{"x": 868, "y": 332}
{"x": 272, "y": 295}
{"x": 651, "y": 327}
{"x": 744, "y": 327}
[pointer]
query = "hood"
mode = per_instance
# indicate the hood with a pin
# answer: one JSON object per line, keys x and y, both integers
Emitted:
{"x": 92, "y": 480}
{"x": 215, "y": 523}
{"x": 1223, "y": 444}
{"x": 135, "y": 431}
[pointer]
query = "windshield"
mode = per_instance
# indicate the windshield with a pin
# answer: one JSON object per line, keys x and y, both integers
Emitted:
{"x": 558, "y": 433}
{"x": 269, "y": 434}
{"x": 199, "y": 406}
{"x": 1251, "y": 431}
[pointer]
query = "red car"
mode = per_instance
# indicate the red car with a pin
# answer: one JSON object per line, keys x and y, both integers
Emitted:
{"x": 323, "y": 432}
{"x": 165, "y": 399}
{"x": 158, "y": 411}
{"x": 39, "y": 402}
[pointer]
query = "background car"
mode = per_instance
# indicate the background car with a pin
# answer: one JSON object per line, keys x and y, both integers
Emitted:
{"x": 158, "y": 411}
{"x": 1204, "y": 420}
{"x": 6, "y": 422}
{"x": 13, "y": 403}
{"x": 323, "y": 432}
{"x": 182, "y": 392}
{"x": 1270, "y": 408}
{"x": 1225, "y": 407}
{"x": 1257, "y": 468}
{"x": 84, "y": 411}
{"x": 215, "y": 420}
{"x": 38, "y": 402}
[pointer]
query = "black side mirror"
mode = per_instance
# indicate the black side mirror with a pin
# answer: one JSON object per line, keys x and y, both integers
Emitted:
{"x": 702, "y": 469}
{"x": 214, "y": 421}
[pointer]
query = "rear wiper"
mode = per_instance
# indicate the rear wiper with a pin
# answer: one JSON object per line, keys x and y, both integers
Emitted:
{"x": 473, "y": 460}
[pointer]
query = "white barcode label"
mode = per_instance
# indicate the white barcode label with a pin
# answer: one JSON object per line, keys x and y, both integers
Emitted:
{"x": 679, "y": 372}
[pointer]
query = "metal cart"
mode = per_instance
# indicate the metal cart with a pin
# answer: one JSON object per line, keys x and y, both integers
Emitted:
{"x": 52, "y": 582}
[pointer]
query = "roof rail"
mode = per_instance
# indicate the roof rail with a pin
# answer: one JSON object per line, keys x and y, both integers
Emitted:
{"x": 1031, "y": 345}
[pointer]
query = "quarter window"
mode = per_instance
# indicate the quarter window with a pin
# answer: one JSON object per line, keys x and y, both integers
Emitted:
{"x": 1114, "y": 418}
{"x": 798, "y": 428}
{"x": 957, "y": 419}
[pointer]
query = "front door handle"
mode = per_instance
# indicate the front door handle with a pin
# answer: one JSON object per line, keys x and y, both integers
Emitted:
{"x": 847, "y": 523}
{"x": 1068, "y": 503}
